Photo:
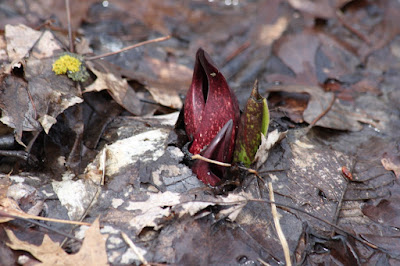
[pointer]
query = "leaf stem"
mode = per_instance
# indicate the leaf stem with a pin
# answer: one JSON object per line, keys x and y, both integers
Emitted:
{"x": 161, "y": 39}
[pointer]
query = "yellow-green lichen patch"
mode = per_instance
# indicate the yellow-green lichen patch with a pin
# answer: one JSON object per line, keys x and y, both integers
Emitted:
{"x": 71, "y": 65}
{"x": 66, "y": 63}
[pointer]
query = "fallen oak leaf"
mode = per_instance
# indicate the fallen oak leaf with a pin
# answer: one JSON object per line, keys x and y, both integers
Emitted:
{"x": 92, "y": 252}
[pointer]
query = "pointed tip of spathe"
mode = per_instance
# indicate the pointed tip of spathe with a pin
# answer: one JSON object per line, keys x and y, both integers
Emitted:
{"x": 206, "y": 61}
{"x": 255, "y": 93}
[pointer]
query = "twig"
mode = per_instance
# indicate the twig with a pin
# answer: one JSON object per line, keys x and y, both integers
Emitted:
{"x": 96, "y": 195}
{"x": 263, "y": 262}
{"x": 347, "y": 25}
{"x": 128, "y": 48}
{"x": 340, "y": 203}
{"x": 282, "y": 205}
{"x": 22, "y": 215}
{"x": 339, "y": 207}
{"x": 278, "y": 228}
{"x": 235, "y": 53}
{"x": 32, "y": 102}
{"x": 323, "y": 113}
{"x": 135, "y": 250}
{"x": 322, "y": 220}
{"x": 44, "y": 226}
{"x": 71, "y": 43}
{"x": 199, "y": 157}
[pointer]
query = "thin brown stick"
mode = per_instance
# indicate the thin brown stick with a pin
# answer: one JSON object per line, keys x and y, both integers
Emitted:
{"x": 199, "y": 157}
{"x": 340, "y": 202}
{"x": 46, "y": 227}
{"x": 32, "y": 102}
{"x": 6, "y": 212}
{"x": 237, "y": 52}
{"x": 347, "y": 25}
{"x": 282, "y": 205}
{"x": 322, "y": 220}
{"x": 161, "y": 39}
{"x": 262, "y": 262}
{"x": 71, "y": 43}
{"x": 92, "y": 201}
{"x": 134, "y": 248}
{"x": 278, "y": 227}
{"x": 323, "y": 113}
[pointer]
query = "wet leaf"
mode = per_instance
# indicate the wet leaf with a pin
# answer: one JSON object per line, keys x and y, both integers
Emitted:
{"x": 253, "y": 122}
{"x": 387, "y": 211}
{"x": 339, "y": 116}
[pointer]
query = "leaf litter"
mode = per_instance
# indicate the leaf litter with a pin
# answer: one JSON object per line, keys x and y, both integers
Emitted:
{"x": 149, "y": 192}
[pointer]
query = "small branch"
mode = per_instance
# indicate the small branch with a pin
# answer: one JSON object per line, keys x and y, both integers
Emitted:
{"x": 282, "y": 205}
{"x": 96, "y": 195}
{"x": 71, "y": 43}
{"x": 135, "y": 250}
{"x": 349, "y": 26}
{"x": 43, "y": 225}
{"x": 199, "y": 157}
{"x": 340, "y": 203}
{"x": 21, "y": 215}
{"x": 338, "y": 228}
{"x": 323, "y": 113}
{"x": 278, "y": 228}
{"x": 161, "y": 39}
{"x": 262, "y": 262}
{"x": 237, "y": 52}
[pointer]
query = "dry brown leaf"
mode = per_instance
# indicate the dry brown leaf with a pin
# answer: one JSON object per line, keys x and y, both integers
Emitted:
{"x": 92, "y": 252}
{"x": 46, "y": 46}
{"x": 4, "y": 184}
{"x": 119, "y": 89}
{"x": 34, "y": 102}
{"x": 20, "y": 40}
{"x": 9, "y": 206}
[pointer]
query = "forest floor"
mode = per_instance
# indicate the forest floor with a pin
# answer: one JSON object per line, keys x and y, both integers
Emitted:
{"x": 103, "y": 150}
